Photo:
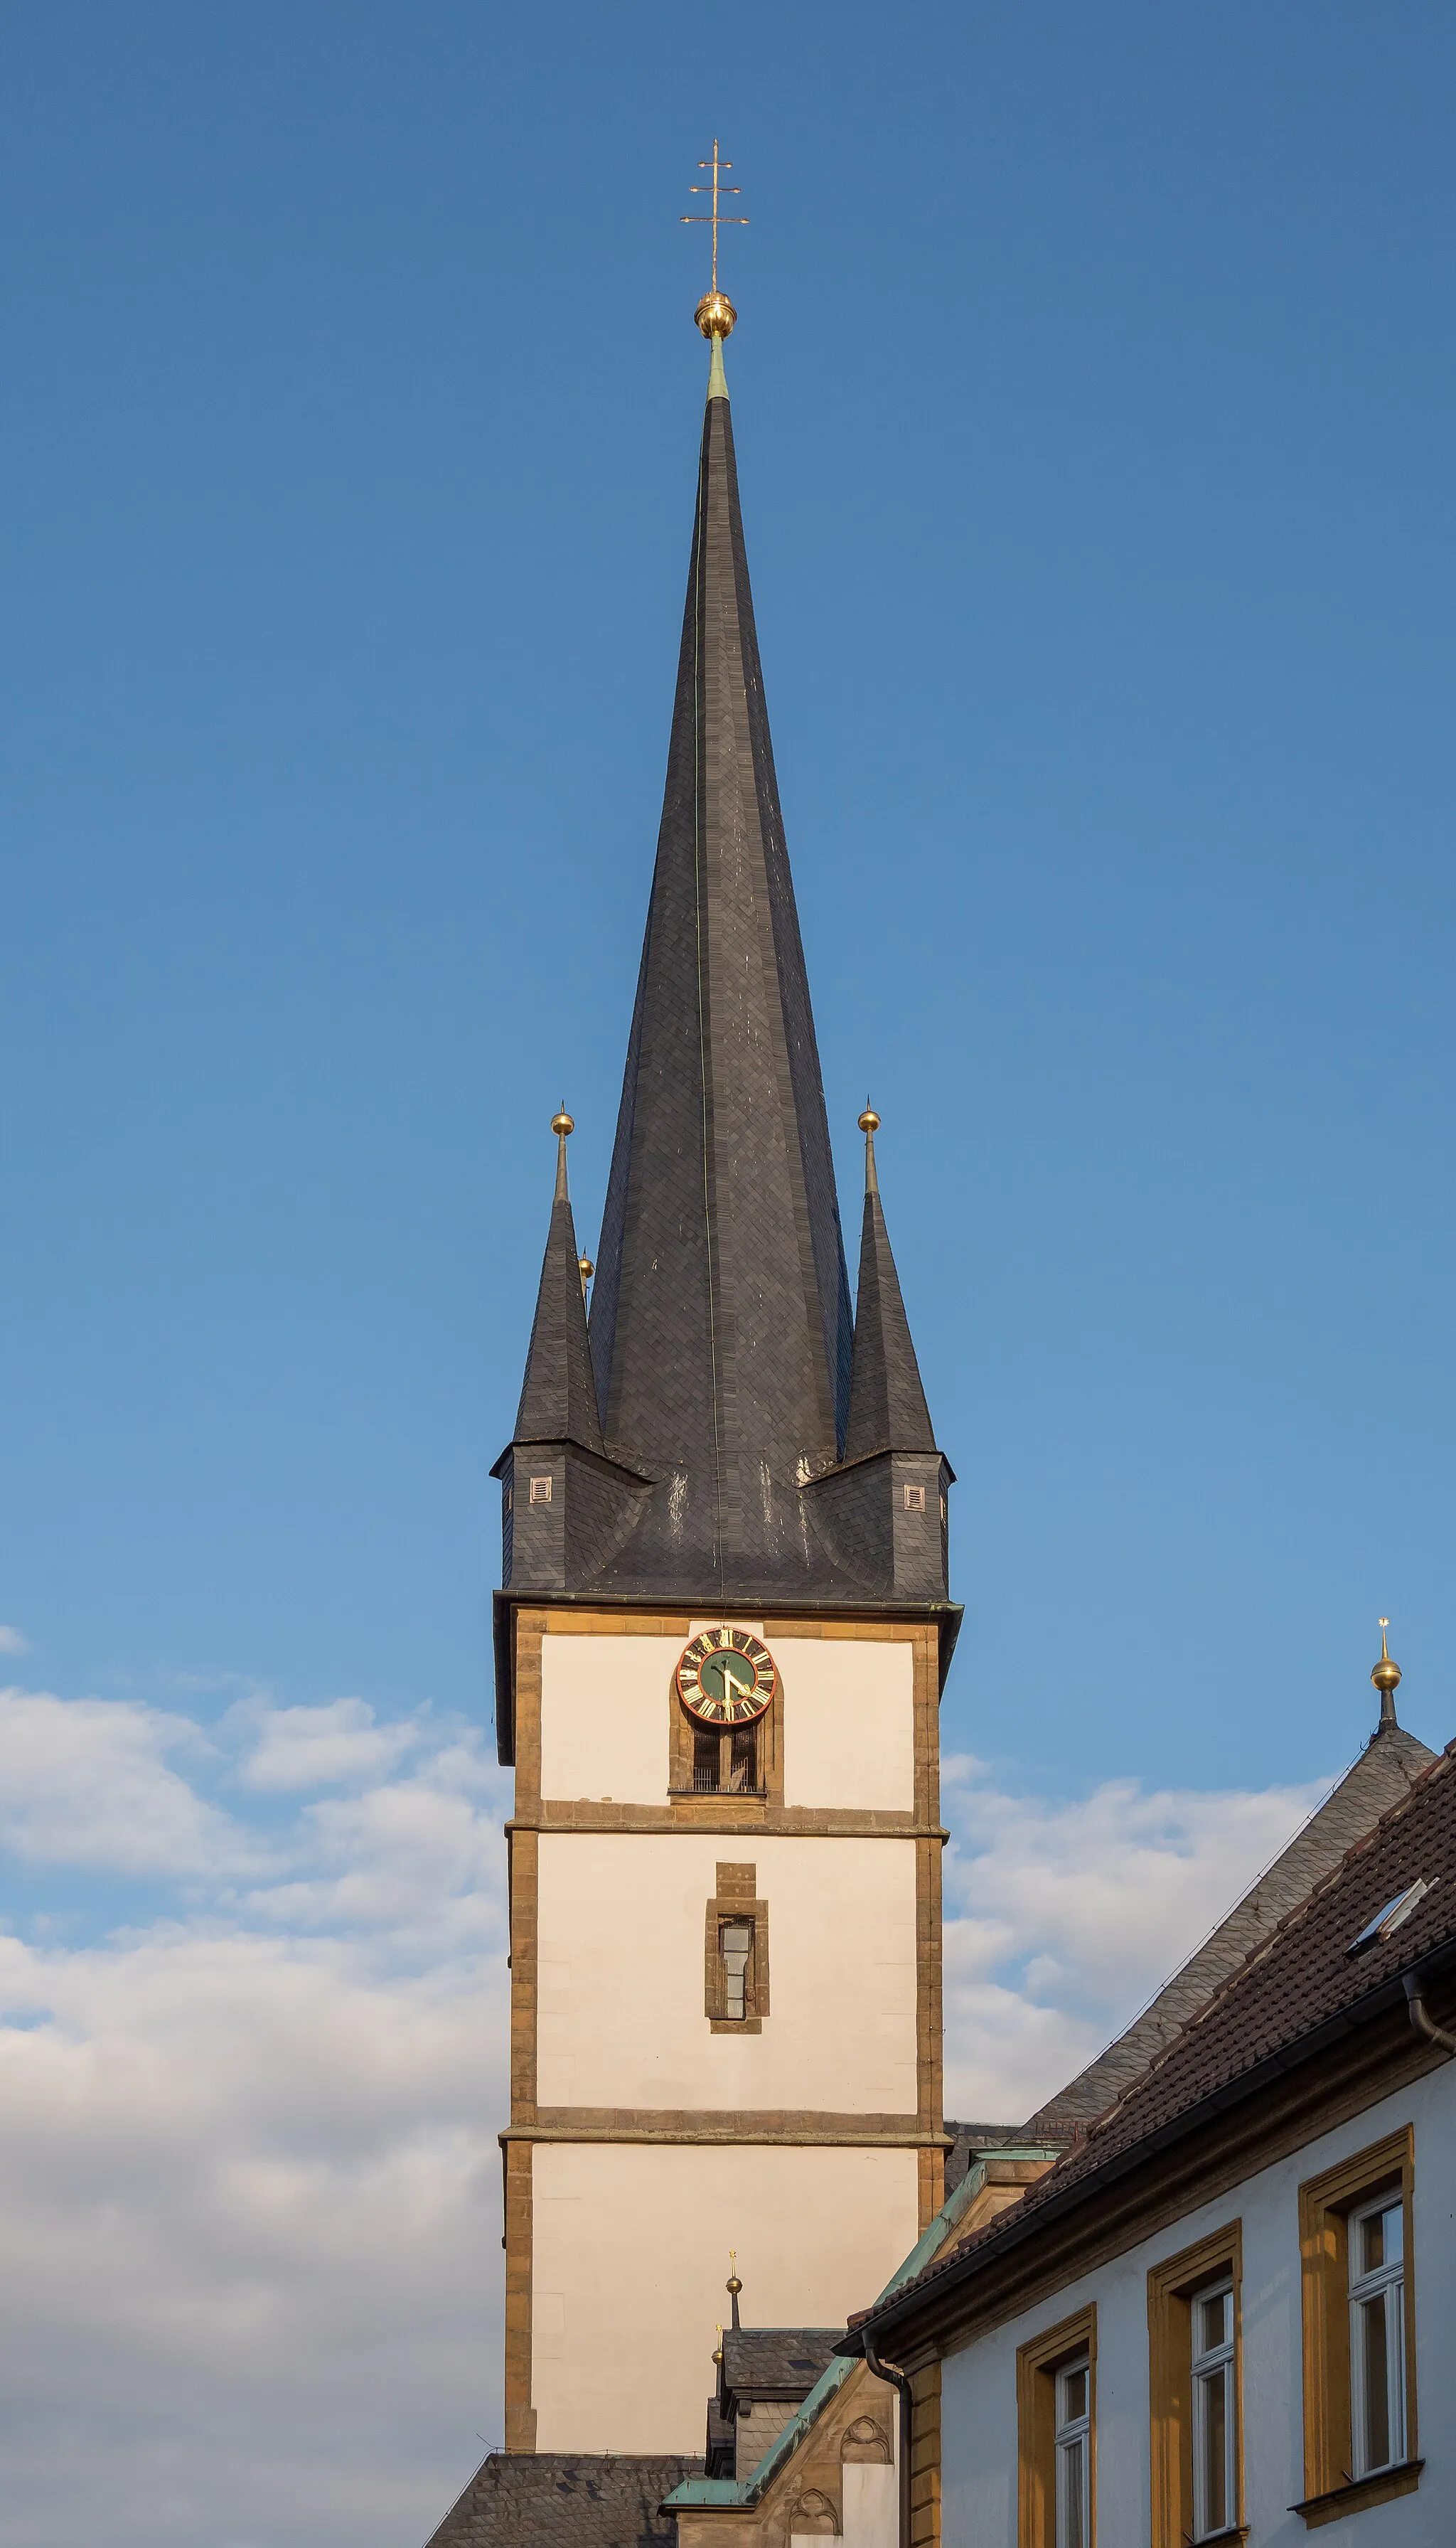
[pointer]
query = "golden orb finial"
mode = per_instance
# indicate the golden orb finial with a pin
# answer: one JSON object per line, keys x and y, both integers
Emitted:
{"x": 869, "y": 1121}
{"x": 562, "y": 1123}
{"x": 715, "y": 314}
{"x": 718, "y": 2350}
{"x": 1386, "y": 1673}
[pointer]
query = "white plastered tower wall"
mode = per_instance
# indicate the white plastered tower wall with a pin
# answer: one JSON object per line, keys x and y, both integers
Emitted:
{"x": 645, "y": 2140}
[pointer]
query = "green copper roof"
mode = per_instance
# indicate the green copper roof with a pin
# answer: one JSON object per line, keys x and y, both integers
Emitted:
{"x": 718, "y": 377}
{"x": 750, "y": 2489}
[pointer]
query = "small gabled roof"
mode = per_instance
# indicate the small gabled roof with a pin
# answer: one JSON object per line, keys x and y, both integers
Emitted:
{"x": 776, "y": 2361}
{"x": 1299, "y": 1990}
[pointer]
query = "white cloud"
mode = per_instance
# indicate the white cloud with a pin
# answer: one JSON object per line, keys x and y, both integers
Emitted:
{"x": 254, "y": 2278}
{"x": 251, "y": 2244}
{"x": 86, "y": 1782}
{"x": 1063, "y": 1917}
{"x": 13, "y": 1643}
{"x": 320, "y": 1747}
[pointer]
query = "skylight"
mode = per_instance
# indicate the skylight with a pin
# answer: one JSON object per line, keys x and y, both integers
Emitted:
{"x": 1385, "y": 1923}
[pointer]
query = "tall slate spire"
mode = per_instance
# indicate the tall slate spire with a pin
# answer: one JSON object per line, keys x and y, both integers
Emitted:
{"x": 720, "y": 1323}
{"x": 723, "y": 1431}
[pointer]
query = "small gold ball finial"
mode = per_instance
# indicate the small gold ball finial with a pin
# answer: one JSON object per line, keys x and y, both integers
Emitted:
{"x": 718, "y": 2350}
{"x": 715, "y": 314}
{"x": 869, "y": 1121}
{"x": 1386, "y": 1673}
{"x": 562, "y": 1124}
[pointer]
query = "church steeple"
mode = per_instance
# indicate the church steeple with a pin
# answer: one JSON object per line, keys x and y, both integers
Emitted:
{"x": 720, "y": 1453}
{"x": 720, "y": 1321}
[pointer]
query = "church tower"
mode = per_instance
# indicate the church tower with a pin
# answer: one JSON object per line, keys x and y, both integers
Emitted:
{"x": 720, "y": 1646}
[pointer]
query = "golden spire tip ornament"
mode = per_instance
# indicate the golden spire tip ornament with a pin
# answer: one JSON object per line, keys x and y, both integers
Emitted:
{"x": 715, "y": 314}
{"x": 869, "y": 1121}
{"x": 1386, "y": 1673}
{"x": 562, "y": 1123}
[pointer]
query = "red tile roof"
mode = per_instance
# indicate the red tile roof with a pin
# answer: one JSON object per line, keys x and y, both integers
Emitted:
{"x": 1299, "y": 1982}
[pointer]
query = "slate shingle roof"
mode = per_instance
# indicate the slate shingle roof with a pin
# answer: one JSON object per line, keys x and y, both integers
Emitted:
{"x": 566, "y": 2500}
{"x": 1378, "y": 1780}
{"x": 776, "y": 2361}
{"x": 1293, "y": 1987}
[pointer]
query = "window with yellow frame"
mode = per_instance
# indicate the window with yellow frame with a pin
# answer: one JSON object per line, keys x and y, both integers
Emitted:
{"x": 1196, "y": 2385}
{"x": 1359, "y": 2331}
{"x": 1057, "y": 2436}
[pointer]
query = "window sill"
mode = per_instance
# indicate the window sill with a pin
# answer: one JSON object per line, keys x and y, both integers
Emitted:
{"x": 1356, "y": 2493}
{"x": 722, "y": 1795}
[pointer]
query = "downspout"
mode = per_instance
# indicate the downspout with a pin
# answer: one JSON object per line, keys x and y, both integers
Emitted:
{"x": 892, "y": 2372}
{"x": 1423, "y": 2024}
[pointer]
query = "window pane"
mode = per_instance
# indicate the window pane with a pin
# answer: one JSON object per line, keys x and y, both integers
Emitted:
{"x": 735, "y": 1942}
{"x": 1375, "y": 2367}
{"x": 1073, "y": 2396}
{"x": 1071, "y": 2525}
{"x": 1381, "y": 2239}
{"x": 1213, "y": 2328}
{"x": 1213, "y": 2440}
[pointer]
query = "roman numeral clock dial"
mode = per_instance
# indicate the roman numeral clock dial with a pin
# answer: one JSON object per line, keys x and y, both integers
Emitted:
{"x": 726, "y": 1678}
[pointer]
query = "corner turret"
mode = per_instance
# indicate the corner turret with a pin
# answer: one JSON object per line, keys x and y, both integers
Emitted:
{"x": 563, "y": 1501}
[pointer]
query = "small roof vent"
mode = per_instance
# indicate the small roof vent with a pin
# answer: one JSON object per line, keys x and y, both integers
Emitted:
{"x": 1393, "y": 1916}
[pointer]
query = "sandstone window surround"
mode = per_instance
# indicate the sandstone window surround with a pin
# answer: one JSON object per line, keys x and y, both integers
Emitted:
{"x": 1057, "y": 2436}
{"x": 1359, "y": 2331}
{"x": 1195, "y": 2340}
{"x": 736, "y": 1953}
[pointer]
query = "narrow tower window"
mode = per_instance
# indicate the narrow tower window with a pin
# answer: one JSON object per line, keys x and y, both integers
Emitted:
{"x": 735, "y": 1947}
{"x": 540, "y": 1491}
{"x": 736, "y": 1957}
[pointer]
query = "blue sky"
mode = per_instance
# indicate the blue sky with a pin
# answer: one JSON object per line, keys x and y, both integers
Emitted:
{"x": 1091, "y": 392}
{"x": 1092, "y": 395}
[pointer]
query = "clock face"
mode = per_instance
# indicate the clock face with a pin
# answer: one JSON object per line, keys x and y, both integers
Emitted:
{"x": 725, "y": 1677}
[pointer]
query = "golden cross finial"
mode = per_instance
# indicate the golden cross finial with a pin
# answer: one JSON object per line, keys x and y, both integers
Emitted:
{"x": 714, "y": 218}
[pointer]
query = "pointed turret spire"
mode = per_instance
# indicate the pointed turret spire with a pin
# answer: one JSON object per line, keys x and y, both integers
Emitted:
{"x": 721, "y": 1319}
{"x": 558, "y": 1399}
{"x": 564, "y": 1501}
{"x": 887, "y": 1409}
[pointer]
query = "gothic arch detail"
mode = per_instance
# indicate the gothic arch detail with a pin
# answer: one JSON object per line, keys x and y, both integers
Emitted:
{"x": 865, "y": 2440}
{"x": 814, "y": 2516}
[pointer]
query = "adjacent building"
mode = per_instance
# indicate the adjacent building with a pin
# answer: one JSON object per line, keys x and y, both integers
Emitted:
{"x": 1228, "y": 2311}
